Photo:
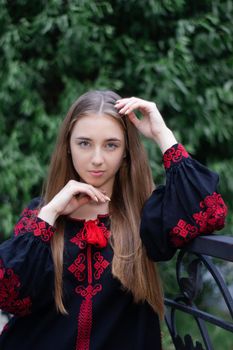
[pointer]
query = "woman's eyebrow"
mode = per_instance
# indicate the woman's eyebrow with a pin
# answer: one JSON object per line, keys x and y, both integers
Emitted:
{"x": 113, "y": 139}
{"x": 89, "y": 139}
{"x": 83, "y": 138}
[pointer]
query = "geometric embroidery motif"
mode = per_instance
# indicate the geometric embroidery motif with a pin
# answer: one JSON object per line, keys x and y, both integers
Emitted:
{"x": 210, "y": 218}
{"x": 78, "y": 267}
{"x": 100, "y": 265}
{"x": 87, "y": 268}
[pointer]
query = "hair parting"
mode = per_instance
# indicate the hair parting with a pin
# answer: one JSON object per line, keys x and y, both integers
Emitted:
{"x": 130, "y": 262}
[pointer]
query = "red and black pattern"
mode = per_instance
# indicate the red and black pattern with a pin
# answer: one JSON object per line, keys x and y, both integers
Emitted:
{"x": 34, "y": 225}
{"x": 182, "y": 233}
{"x": 100, "y": 265}
{"x": 88, "y": 268}
{"x": 84, "y": 325}
{"x": 210, "y": 218}
{"x": 26, "y": 222}
{"x": 10, "y": 300}
{"x": 43, "y": 230}
{"x": 212, "y": 215}
{"x": 93, "y": 232}
{"x": 174, "y": 155}
{"x": 78, "y": 267}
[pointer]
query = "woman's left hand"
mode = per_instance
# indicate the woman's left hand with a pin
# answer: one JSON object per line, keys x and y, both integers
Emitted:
{"x": 151, "y": 124}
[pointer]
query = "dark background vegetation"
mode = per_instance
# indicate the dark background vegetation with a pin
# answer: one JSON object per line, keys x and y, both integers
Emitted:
{"x": 178, "y": 53}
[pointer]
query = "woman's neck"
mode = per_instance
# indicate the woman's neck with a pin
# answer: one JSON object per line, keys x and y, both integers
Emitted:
{"x": 90, "y": 211}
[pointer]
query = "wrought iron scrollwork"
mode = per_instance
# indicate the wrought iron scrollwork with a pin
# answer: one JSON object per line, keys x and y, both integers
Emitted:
{"x": 187, "y": 344}
{"x": 190, "y": 282}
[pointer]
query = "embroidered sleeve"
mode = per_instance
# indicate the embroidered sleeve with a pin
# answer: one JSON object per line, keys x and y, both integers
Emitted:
{"x": 10, "y": 300}
{"x": 30, "y": 223}
{"x": 174, "y": 155}
{"x": 26, "y": 265}
{"x": 187, "y": 206}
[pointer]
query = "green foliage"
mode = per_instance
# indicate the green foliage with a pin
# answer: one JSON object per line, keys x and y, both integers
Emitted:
{"x": 177, "y": 53}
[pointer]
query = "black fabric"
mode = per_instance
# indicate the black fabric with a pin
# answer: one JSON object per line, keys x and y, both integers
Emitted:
{"x": 116, "y": 317}
{"x": 187, "y": 184}
{"x": 115, "y": 321}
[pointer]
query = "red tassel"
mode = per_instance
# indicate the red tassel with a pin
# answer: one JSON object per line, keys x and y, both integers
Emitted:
{"x": 94, "y": 234}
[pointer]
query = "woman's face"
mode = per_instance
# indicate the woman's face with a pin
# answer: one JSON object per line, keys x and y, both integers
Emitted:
{"x": 97, "y": 145}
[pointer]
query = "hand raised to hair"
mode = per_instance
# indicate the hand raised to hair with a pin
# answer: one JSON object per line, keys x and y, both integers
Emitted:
{"x": 151, "y": 125}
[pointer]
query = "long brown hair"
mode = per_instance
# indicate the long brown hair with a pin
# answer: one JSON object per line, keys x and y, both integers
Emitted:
{"x": 133, "y": 185}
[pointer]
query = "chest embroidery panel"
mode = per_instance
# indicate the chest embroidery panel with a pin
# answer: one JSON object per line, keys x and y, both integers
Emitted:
{"x": 88, "y": 268}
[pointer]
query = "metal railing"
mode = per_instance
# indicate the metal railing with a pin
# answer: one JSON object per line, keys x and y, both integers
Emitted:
{"x": 191, "y": 261}
{"x": 200, "y": 254}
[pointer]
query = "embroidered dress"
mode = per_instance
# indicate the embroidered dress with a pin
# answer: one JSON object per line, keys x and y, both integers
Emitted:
{"x": 101, "y": 315}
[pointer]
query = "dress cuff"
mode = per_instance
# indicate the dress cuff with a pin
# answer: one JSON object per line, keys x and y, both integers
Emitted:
{"x": 43, "y": 230}
{"x": 174, "y": 155}
{"x": 38, "y": 227}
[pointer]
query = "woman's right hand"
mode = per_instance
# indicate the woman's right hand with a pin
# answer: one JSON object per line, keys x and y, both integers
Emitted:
{"x": 72, "y": 196}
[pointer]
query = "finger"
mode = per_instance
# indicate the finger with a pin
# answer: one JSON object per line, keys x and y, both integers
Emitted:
{"x": 98, "y": 195}
{"x": 87, "y": 194}
{"x": 132, "y": 117}
{"x": 91, "y": 191}
{"x": 124, "y": 102}
{"x": 131, "y": 106}
{"x": 83, "y": 200}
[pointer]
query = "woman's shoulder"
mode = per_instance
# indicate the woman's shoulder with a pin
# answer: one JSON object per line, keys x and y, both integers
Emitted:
{"x": 32, "y": 208}
{"x": 35, "y": 203}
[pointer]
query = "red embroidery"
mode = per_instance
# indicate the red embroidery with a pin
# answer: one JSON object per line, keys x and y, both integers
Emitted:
{"x": 213, "y": 213}
{"x": 78, "y": 267}
{"x": 93, "y": 232}
{"x": 89, "y": 291}
{"x": 25, "y": 224}
{"x": 30, "y": 212}
{"x": 9, "y": 293}
{"x": 209, "y": 219}
{"x": 35, "y": 225}
{"x": 100, "y": 265}
{"x": 43, "y": 230}
{"x": 84, "y": 325}
{"x": 79, "y": 240}
{"x": 182, "y": 233}
{"x": 174, "y": 155}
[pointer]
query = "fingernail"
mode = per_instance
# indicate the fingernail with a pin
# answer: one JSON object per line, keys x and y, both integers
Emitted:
{"x": 127, "y": 111}
{"x": 108, "y": 198}
{"x": 96, "y": 199}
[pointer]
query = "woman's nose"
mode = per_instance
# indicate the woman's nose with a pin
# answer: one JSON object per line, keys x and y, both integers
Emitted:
{"x": 97, "y": 157}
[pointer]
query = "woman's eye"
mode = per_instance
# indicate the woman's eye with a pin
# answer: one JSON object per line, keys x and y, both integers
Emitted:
{"x": 111, "y": 146}
{"x": 84, "y": 143}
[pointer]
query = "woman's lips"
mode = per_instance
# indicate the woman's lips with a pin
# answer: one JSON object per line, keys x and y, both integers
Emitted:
{"x": 96, "y": 173}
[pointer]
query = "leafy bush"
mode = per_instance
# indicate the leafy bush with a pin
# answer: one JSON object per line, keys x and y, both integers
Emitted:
{"x": 177, "y": 53}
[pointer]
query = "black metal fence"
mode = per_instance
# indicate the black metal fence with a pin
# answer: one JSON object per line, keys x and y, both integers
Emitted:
{"x": 192, "y": 265}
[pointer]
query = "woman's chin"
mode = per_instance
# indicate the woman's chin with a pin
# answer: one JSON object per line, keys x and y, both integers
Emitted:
{"x": 94, "y": 182}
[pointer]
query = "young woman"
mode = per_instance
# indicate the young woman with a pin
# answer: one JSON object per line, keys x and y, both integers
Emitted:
{"x": 79, "y": 272}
